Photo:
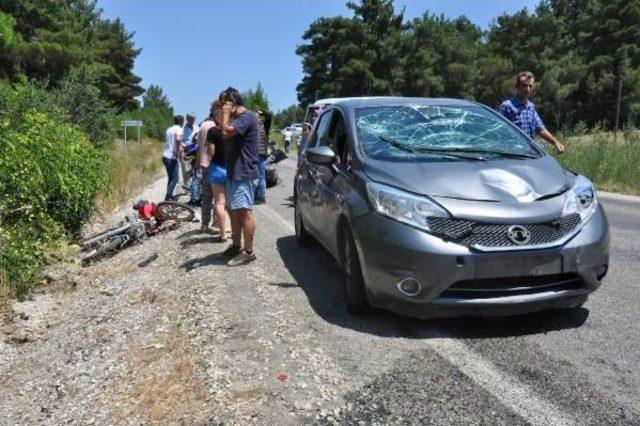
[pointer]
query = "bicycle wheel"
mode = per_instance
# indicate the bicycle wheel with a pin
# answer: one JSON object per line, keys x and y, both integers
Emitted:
{"x": 182, "y": 197}
{"x": 172, "y": 210}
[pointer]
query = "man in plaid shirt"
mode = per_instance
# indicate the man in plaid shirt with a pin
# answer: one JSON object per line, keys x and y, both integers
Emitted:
{"x": 522, "y": 112}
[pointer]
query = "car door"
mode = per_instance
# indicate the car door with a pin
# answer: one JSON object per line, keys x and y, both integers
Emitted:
{"x": 333, "y": 182}
{"x": 307, "y": 188}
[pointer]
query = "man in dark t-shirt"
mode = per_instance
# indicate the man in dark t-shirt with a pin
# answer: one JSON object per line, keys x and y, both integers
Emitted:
{"x": 243, "y": 171}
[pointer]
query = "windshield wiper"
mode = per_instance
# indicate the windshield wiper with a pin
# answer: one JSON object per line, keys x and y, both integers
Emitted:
{"x": 416, "y": 150}
{"x": 397, "y": 144}
{"x": 477, "y": 151}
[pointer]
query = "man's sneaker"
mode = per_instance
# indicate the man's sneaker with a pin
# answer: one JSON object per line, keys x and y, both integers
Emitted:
{"x": 205, "y": 229}
{"x": 242, "y": 259}
{"x": 259, "y": 201}
{"x": 231, "y": 251}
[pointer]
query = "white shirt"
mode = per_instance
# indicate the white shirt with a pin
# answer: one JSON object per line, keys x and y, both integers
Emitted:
{"x": 171, "y": 142}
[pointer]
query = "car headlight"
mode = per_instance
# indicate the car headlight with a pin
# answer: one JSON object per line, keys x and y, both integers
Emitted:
{"x": 581, "y": 199}
{"x": 403, "y": 206}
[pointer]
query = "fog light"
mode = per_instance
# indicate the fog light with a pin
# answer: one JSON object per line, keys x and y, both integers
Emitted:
{"x": 409, "y": 287}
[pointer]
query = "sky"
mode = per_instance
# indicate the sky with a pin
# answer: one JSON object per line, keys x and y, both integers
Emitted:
{"x": 194, "y": 49}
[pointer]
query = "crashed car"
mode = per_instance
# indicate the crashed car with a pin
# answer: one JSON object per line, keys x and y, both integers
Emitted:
{"x": 441, "y": 207}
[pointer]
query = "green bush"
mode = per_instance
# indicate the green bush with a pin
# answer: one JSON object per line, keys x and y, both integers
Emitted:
{"x": 77, "y": 101}
{"x": 80, "y": 98}
{"x": 51, "y": 176}
{"x": 16, "y": 100}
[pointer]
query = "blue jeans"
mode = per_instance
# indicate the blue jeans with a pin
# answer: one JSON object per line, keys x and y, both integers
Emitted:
{"x": 173, "y": 172}
{"x": 240, "y": 194}
{"x": 261, "y": 189}
{"x": 196, "y": 183}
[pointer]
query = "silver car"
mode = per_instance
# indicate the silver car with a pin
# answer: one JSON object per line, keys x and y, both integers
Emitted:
{"x": 441, "y": 207}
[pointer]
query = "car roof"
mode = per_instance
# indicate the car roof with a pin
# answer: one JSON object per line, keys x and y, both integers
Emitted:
{"x": 352, "y": 103}
{"x": 329, "y": 101}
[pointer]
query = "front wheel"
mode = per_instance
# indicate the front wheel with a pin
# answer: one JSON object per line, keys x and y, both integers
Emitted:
{"x": 356, "y": 296}
{"x": 172, "y": 210}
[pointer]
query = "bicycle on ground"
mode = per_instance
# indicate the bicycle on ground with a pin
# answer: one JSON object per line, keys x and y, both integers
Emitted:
{"x": 152, "y": 218}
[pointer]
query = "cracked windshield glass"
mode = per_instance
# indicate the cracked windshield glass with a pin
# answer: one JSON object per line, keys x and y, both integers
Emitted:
{"x": 435, "y": 132}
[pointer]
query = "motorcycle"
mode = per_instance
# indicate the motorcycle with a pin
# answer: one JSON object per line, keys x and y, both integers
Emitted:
{"x": 271, "y": 170}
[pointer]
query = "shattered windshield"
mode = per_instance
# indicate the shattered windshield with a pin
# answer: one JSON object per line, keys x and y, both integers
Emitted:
{"x": 435, "y": 132}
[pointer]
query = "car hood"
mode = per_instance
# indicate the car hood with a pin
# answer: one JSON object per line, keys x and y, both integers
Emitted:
{"x": 502, "y": 190}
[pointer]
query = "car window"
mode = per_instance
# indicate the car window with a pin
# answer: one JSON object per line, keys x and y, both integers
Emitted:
{"x": 321, "y": 132}
{"x": 413, "y": 132}
{"x": 340, "y": 142}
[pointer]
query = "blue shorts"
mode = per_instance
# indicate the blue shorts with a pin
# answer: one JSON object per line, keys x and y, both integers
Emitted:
{"x": 240, "y": 194}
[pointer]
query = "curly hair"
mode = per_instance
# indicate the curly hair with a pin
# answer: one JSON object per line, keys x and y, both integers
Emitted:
{"x": 231, "y": 94}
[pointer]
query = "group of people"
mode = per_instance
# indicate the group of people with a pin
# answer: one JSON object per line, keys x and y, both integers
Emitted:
{"x": 232, "y": 150}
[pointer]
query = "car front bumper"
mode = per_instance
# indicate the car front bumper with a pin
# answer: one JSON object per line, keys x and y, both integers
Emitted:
{"x": 391, "y": 252}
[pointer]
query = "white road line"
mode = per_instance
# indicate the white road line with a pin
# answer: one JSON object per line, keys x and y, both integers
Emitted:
{"x": 618, "y": 197}
{"x": 275, "y": 215}
{"x": 511, "y": 392}
{"x": 515, "y": 395}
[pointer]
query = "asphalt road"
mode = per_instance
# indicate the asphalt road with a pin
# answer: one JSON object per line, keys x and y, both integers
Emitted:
{"x": 579, "y": 366}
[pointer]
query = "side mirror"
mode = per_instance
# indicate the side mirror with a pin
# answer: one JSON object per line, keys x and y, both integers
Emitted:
{"x": 278, "y": 155}
{"x": 320, "y": 155}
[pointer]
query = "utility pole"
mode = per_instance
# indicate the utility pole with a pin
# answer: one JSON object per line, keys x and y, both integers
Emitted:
{"x": 617, "y": 123}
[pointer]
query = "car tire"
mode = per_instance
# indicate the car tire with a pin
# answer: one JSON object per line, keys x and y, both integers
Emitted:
{"x": 303, "y": 238}
{"x": 355, "y": 293}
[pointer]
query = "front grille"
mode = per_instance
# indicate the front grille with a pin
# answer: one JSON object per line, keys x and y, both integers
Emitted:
{"x": 471, "y": 233}
{"x": 501, "y": 287}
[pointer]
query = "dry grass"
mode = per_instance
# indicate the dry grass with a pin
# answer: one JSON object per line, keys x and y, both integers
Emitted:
{"x": 7, "y": 313}
{"x": 131, "y": 169}
{"x": 6, "y": 309}
{"x": 612, "y": 164}
{"x": 246, "y": 395}
{"x": 148, "y": 296}
{"x": 168, "y": 385}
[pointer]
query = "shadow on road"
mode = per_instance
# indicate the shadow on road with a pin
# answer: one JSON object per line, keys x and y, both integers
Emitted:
{"x": 200, "y": 262}
{"x": 316, "y": 272}
{"x": 188, "y": 234}
{"x": 199, "y": 240}
{"x": 283, "y": 285}
{"x": 148, "y": 261}
{"x": 289, "y": 202}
